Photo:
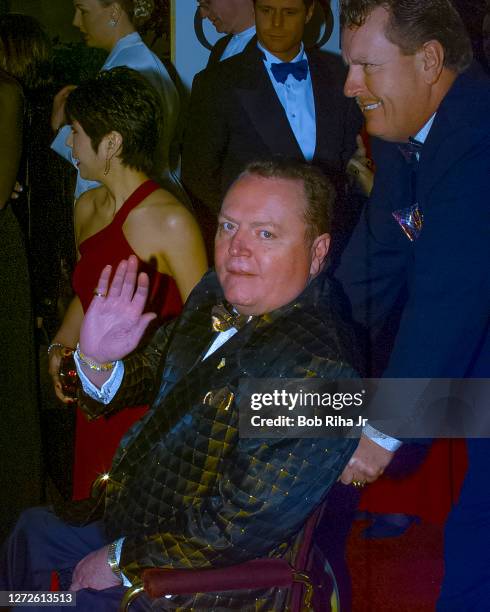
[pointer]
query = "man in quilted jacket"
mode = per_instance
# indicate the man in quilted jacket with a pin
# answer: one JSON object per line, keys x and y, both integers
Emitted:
{"x": 184, "y": 490}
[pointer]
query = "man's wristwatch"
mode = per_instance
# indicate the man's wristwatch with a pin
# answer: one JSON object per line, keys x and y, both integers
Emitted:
{"x": 112, "y": 560}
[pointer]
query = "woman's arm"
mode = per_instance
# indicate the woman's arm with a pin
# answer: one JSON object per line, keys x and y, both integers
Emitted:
{"x": 66, "y": 338}
{"x": 68, "y": 334}
{"x": 11, "y": 108}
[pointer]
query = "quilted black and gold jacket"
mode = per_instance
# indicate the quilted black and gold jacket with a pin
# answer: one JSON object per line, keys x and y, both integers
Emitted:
{"x": 184, "y": 490}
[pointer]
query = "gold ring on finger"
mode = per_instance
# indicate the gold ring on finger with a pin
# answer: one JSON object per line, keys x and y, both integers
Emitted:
{"x": 359, "y": 483}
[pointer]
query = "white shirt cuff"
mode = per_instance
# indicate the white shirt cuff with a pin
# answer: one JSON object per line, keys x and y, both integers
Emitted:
{"x": 117, "y": 553}
{"x": 381, "y": 439}
{"x": 108, "y": 390}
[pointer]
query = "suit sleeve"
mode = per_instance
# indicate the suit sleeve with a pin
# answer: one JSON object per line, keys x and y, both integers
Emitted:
{"x": 141, "y": 375}
{"x": 266, "y": 490}
{"x": 205, "y": 141}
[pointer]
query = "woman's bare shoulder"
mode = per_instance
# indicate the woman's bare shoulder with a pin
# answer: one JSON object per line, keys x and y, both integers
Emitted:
{"x": 87, "y": 203}
{"x": 164, "y": 210}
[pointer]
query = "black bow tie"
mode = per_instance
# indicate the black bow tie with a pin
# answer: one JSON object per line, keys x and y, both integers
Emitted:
{"x": 410, "y": 150}
{"x": 224, "y": 318}
{"x": 299, "y": 70}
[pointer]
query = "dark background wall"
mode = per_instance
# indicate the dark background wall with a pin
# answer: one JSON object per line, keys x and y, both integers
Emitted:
{"x": 55, "y": 15}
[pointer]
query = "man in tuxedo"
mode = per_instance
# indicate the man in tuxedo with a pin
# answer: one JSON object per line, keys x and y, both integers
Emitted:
{"x": 416, "y": 267}
{"x": 184, "y": 489}
{"x": 236, "y": 19}
{"x": 274, "y": 98}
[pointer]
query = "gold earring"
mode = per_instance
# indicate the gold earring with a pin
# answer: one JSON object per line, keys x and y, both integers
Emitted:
{"x": 107, "y": 168}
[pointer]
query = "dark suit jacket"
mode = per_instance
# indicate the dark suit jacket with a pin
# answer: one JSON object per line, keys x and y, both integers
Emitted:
{"x": 235, "y": 117}
{"x": 217, "y": 50}
{"x": 184, "y": 489}
{"x": 427, "y": 302}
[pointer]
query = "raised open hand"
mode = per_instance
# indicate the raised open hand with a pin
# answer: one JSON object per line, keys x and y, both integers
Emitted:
{"x": 114, "y": 323}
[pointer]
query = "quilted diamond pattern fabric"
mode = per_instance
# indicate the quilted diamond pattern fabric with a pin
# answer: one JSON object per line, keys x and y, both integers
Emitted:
{"x": 184, "y": 490}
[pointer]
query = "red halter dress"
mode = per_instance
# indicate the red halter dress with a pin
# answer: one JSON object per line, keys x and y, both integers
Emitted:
{"x": 96, "y": 441}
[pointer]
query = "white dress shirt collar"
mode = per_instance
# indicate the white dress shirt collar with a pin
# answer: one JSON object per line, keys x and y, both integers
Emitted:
{"x": 238, "y": 42}
{"x": 272, "y": 59}
{"x": 422, "y": 134}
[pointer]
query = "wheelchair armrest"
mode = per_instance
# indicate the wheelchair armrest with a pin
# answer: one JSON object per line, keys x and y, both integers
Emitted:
{"x": 255, "y": 574}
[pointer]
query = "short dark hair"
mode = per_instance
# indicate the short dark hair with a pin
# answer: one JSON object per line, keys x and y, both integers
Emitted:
{"x": 414, "y": 22}
{"x": 26, "y": 50}
{"x": 319, "y": 191}
{"x": 307, "y": 3}
{"x": 120, "y": 100}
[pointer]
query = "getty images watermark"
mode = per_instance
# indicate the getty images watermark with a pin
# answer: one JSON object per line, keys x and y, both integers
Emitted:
{"x": 304, "y": 402}
{"x": 400, "y": 408}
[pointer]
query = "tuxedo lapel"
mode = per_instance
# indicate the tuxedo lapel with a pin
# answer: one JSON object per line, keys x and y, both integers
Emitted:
{"x": 192, "y": 346}
{"x": 453, "y": 133}
{"x": 224, "y": 360}
{"x": 445, "y": 144}
{"x": 218, "y": 50}
{"x": 259, "y": 100}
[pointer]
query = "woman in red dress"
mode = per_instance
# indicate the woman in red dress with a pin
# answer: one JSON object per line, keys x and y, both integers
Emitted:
{"x": 116, "y": 126}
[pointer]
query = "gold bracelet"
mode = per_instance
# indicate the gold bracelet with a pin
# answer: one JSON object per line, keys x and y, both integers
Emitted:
{"x": 54, "y": 345}
{"x": 94, "y": 365}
